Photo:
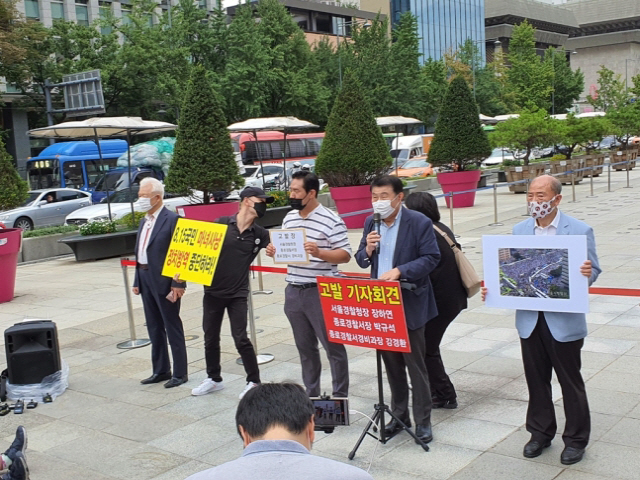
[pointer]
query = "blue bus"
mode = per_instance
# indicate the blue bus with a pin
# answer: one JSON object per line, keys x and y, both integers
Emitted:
{"x": 73, "y": 164}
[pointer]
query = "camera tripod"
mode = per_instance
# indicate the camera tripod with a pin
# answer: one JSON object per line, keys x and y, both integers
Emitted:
{"x": 377, "y": 420}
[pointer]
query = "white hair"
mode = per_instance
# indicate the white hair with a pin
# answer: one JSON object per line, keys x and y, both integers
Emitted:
{"x": 156, "y": 185}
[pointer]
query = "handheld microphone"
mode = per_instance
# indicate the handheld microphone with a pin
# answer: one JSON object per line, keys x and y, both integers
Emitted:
{"x": 376, "y": 224}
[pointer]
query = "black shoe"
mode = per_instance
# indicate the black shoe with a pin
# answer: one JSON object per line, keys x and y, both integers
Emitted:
{"x": 424, "y": 433}
{"x": 534, "y": 448}
{"x": 442, "y": 403}
{"x": 156, "y": 378}
{"x": 19, "y": 444}
{"x": 18, "y": 469}
{"x": 571, "y": 455}
{"x": 176, "y": 381}
{"x": 393, "y": 427}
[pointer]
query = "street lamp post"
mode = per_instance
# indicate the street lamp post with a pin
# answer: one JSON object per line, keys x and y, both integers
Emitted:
{"x": 341, "y": 26}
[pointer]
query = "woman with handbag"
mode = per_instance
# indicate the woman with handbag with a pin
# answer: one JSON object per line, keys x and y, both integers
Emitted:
{"x": 451, "y": 298}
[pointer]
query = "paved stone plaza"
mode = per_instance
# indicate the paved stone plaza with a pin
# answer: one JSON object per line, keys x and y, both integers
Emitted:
{"x": 107, "y": 425}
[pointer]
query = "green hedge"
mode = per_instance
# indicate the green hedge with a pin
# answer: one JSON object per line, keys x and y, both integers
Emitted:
{"x": 42, "y": 232}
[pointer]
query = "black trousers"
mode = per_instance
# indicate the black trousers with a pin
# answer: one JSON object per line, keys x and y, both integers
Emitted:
{"x": 396, "y": 364}
{"x": 541, "y": 353}
{"x": 213, "y": 313}
{"x": 439, "y": 381}
{"x": 163, "y": 323}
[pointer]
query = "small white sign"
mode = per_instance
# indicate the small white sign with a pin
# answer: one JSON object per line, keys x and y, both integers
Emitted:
{"x": 519, "y": 169}
{"x": 563, "y": 163}
{"x": 619, "y": 153}
{"x": 289, "y": 245}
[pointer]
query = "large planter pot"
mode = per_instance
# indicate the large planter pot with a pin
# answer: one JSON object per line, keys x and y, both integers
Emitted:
{"x": 596, "y": 162}
{"x": 524, "y": 172}
{"x": 10, "y": 239}
{"x": 352, "y": 199}
{"x": 97, "y": 247}
{"x": 574, "y": 164}
{"x": 209, "y": 212}
{"x": 631, "y": 154}
{"x": 47, "y": 246}
{"x": 452, "y": 182}
{"x": 274, "y": 217}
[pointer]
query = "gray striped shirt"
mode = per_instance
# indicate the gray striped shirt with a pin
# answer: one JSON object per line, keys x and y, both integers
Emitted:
{"x": 327, "y": 230}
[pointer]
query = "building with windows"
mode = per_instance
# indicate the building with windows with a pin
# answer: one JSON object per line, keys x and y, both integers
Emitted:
{"x": 444, "y": 25}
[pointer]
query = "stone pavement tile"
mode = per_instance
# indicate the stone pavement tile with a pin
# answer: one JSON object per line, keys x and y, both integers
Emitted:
{"x": 381, "y": 472}
{"x": 600, "y": 423}
{"x": 130, "y": 367}
{"x": 97, "y": 451}
{"x": 632, "y": 321}
{"x": 211, "y": 435}
{"x": 477, "y": 382}
{"x": 596, "y": 360}
{"x": 184, "y": 470}
{"x": 635, "y": 413}
{"x": 609, "y": 307}
{"x": 471, "y": 433}
{"x": 601, "y": 318}
{"x": 147, "y": 425}
{"x": 625, "y": 363}
{"x": 225, "y": 453}
{"x": 44, "y": 465}
{"x": 625, "y": 432}
{"x": 500, "y": 467}
{"x": 440, "y": 462}
{"x": 498, "y": 334}
{"x": 634, "y": 310}
{"x": 30, "y": 419}
{"x": 607, "y": 345}
{"x": 616, "y": 381}
{"x": 495, "y": 311}
{"x": 52, "y": 434}
{"x": 503, "y": 367}
{"x": 611, "y": 402}
{"x": 578, "y": 475}
{"x": 512, "y": 350}
{"x": 454, "y": 359}
{"x": 617, "y": 332}
{"x": 286, "y": 371}
{"x": 475, "y": 345}
{"x": 202, "y": 406}
{"x": 473, "y": 317}
{"x": 634, "y": 352}
{"x": 601, "y": 299}
{"x": 71, "y": 402}
{"x": 497, "y": 410}
{"x": 514, "y": 390}
{"x": 460, "y": 329}
{"x": 513, "y": 445}
{"x": 610, "y": 461}
{"x": 145, "y": 464}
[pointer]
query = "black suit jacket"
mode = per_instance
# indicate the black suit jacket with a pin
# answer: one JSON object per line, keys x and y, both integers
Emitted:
{"x": 416, "y": 255}
{"x": 157, "y": 250}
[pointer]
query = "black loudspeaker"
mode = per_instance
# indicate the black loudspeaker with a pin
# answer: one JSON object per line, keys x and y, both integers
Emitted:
{"x": 32, "y": 351}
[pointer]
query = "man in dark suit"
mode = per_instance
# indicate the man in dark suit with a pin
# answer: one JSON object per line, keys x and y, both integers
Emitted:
{"x": 408, "y": 252}
{"x": 160, "y": 295}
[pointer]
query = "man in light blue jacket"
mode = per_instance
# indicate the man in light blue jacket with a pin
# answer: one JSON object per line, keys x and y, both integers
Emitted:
{"x": 553, "y": 340}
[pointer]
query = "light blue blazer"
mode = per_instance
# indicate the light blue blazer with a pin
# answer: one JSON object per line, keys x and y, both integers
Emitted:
{"x": 565, "y": 327}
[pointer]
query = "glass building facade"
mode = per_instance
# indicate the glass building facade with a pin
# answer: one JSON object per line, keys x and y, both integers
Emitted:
{"x": 444, "y": 24}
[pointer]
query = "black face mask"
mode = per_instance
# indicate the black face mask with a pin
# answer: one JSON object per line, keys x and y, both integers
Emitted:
{"x": 296, "y": 203}
{"x": 260, "y": 208}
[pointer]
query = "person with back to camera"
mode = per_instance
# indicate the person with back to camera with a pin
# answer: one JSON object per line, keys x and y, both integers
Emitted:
{"x": 451, "y": 299}
{"x": 276, "y": 424}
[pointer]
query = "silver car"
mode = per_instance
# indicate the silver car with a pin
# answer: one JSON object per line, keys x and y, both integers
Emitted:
{"x": 46, "y": 207}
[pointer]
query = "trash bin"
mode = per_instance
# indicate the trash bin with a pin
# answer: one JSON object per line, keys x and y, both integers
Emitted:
{"x": 10, "y": 239}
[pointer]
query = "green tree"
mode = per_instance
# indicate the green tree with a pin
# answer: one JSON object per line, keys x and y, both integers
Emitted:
{"x": 433, "y": 85}
{"x": 459, "y": 138}
{"x": 203, "y": 157}
{"x": 533, "y": 128}
{"x": 625, "y": 121}
{"x": 528, "y": 80}
{"x": 567, "y": 84}
{"x": 354, "y": 151}
{"x": 13, "y": 190}
{"x": 611, "y": 92}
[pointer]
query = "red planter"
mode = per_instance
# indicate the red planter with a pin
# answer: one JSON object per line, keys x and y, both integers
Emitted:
{"x": 210, "y": 212}
{"x": 10, "y": 240}
{"x": 460, "y": 182}
{"x": 352, "y": 199}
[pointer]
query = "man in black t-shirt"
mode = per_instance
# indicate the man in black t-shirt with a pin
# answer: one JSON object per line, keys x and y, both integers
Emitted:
{"x": 230, "y": 289}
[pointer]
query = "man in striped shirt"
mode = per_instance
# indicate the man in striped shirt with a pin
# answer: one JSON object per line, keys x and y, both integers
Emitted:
{"x": 327, "y": 245}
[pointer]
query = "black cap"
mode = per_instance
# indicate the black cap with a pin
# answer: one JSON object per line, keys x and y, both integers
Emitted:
{"x": 255, "y": 192}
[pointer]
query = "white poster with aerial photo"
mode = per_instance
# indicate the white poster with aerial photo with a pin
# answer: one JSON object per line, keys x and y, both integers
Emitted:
{"x": 542, "y": 273}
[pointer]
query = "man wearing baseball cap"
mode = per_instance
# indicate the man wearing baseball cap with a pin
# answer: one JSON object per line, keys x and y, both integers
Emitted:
{"x": 230, "y": 289}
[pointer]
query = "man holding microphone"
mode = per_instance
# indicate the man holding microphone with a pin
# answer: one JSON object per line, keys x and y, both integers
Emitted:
{"x": 327, "y": 246}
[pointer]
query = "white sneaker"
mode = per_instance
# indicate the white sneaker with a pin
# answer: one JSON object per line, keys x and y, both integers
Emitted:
{"x": 249, "y": 386}
{"x": 207, "y": 386}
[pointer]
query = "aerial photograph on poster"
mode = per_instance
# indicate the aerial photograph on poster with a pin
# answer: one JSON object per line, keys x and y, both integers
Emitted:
{"x": 534, "y": 273}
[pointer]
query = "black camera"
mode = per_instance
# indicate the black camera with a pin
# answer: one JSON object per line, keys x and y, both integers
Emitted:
{"x": 330, "y": 413}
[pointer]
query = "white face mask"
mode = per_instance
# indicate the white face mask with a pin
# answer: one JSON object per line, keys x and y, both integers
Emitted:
{"x": 143, "y": 204}
{"x": 384, "y": 207}
{"x": 541, "y": 209}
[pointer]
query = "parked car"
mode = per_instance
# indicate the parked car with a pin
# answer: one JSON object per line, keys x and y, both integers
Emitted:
{"x": 499, "y": 155}
{"x": 415, "y": 168}
{"x": 120, "y": 202}
{"x": 46, "y": 207}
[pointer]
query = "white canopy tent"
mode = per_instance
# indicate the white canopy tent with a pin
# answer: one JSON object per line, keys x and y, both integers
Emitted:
{"x": 396, "y": 121}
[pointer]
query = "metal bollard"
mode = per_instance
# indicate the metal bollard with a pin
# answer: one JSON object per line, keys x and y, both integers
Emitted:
{"x": 451, "y": 211}
{"x": 573, "y": 188}
{"x": 134, "y": 342}
{"x": 609, "y": 176}
{"x": 261, "y": 290}
{"x": 262, "y": 358}
{"x": 495, "y": 207}
{"x": 628, "y": 165}
{"x": 591, "y": 185}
